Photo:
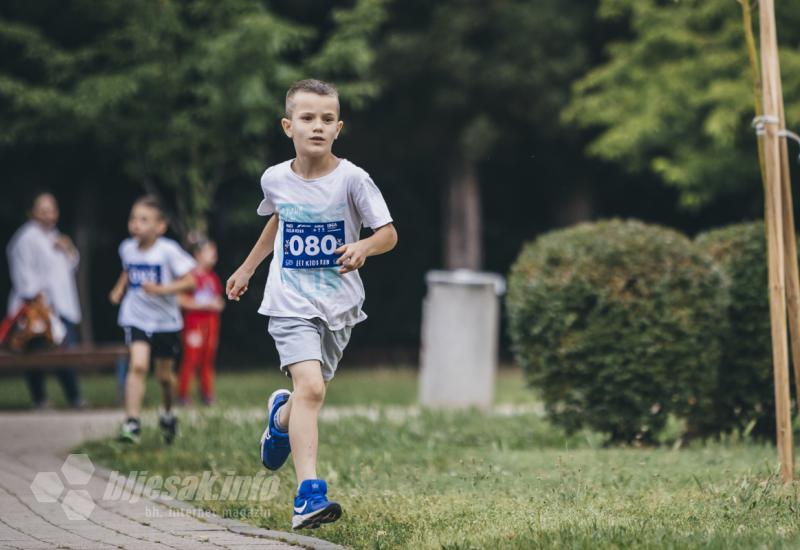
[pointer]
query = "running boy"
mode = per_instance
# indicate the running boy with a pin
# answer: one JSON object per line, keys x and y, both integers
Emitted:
{"x": 154, "y": 270}
{"x": 201, "y": 312}
{"x": 314, "y": 293}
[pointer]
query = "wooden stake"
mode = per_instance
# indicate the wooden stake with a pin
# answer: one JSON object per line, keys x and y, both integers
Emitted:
{"x": 770, "y": 70}
{"x": 789, "y": 234}
{"x": 790, "y": 247}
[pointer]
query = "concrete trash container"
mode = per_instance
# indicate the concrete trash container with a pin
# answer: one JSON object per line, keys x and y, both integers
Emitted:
{"x": 460, "y": 330}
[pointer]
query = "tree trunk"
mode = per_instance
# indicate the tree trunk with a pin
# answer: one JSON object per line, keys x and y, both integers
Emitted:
{"x": 83, "y": 240}
{"x": 463, "y": 225}
{"x": 578, "y": 207}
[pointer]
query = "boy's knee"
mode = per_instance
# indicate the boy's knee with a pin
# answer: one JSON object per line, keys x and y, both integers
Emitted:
{"x": 313, "y": 391}
{"x": 309, "y": 384}
{"x": 138, "y": 368}
{"x": 164, "y": 371}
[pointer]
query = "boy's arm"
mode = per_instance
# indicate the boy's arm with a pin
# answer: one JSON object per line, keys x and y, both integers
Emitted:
{"x": 237, "y": 283}
{"x": 353, "y": 255}
{"x": 116, "y": 294}
{"x": 183, "y": 284}
{"x": 186, "y": 301}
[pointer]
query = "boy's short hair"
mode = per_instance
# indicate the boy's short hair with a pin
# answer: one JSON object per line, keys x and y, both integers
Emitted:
{"x": 311, "y": 85}
{"x": 151, "y": 201}
{"x": 198, "y": 242}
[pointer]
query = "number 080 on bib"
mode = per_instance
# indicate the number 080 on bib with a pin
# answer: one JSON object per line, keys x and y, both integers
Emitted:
{"x": 311, "y": 245}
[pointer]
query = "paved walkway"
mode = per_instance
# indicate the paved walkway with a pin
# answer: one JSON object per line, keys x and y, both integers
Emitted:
{"x": 33, "y": 443}
{"x": 393, "y": 413}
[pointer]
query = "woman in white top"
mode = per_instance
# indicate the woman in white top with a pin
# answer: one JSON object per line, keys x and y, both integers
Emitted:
{"x": 43, "y": 261}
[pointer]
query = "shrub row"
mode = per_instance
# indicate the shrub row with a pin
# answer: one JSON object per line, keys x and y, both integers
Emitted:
{"x": 620, "y": 324}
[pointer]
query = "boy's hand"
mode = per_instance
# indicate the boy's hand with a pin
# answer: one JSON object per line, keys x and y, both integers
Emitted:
{"x": 237, "y": 284}
{"x": 153, "y": 289}
{"x": 353, "y": 256}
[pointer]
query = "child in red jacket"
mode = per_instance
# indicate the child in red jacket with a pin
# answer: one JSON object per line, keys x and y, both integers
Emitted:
{"x": 201, "y": 312}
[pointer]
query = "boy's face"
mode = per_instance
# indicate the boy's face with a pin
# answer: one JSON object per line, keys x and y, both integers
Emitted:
{"x": 314, "y": 124}
{"x": 207, "y": 256}
{"x": 146, "y": 223}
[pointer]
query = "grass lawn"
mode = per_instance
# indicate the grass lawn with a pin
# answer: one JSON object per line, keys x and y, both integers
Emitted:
{"x": 383, "y": 385}
{"x": 466, "y": 480}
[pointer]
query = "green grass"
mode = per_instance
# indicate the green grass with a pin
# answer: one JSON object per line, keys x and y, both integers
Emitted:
{"x": 383, "y": 385}
{"x": 465, "y": 480}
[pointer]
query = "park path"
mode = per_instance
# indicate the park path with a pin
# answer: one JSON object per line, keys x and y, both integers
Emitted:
{"x": 393, "y": 413}
{"x": 32, "y": 443}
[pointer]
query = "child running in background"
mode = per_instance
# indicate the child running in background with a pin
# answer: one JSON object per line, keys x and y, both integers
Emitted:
{"x": 154, "y": 271}
{"x": 201, "y": 312}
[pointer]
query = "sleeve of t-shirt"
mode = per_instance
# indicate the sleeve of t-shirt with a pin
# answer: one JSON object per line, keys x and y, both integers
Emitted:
{"x": 267, "y": 206}
{"x": 179, "y": 261}
{"x": 121, "y": 251}
{"x": 370, "y": 203}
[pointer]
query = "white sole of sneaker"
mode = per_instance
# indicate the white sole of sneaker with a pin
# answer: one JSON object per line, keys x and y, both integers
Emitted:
{"x": 312, "y": 520}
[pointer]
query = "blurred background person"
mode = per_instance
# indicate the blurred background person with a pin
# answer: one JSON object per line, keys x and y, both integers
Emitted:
{"x": 201, "y": 313}
{"x": 42, "y": 260}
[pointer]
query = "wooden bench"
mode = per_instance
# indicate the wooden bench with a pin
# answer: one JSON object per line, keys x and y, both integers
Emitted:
{"x": 84, "y": 357}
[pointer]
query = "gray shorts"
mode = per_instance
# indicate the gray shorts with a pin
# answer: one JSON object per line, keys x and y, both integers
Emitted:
{"x": 308, "y": 340}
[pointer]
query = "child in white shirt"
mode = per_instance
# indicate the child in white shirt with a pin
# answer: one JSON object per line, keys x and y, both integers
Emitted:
{"x": 314, "y": 293}
{"x": 154, "y": 271}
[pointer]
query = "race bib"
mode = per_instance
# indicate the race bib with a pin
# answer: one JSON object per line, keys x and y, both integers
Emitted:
{"x": 311, "y": 245}
{"x": 143, "y": 273}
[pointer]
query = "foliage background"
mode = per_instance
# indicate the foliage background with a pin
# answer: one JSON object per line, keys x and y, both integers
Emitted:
{"x": 567, "y": 111}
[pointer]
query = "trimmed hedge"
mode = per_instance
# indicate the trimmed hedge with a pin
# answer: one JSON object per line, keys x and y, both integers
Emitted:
{"x": 618, "y": 323}
{"x": 745, "y": 391}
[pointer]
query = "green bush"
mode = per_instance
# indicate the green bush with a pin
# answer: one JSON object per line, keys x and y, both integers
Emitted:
{"x": 618, "y": 323}
{"x": 745, "y": 391}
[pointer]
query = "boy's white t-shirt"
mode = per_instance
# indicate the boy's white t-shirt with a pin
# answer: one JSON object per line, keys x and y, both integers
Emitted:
{"x": 316, "y": 217}
{"x": 162, "y": 263}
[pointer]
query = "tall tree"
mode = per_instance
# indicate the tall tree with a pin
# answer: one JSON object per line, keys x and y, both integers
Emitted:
{"x": 676, "y": 97}
{"x": 475, "y": 73}
{"x": 187, "y": 92}
{"x": 181, "y": 95}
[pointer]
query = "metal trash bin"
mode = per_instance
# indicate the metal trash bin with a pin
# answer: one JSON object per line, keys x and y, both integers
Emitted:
{"x": 460, "y": 330}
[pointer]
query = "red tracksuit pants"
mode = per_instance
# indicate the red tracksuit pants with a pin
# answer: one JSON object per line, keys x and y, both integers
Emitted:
{"x": 200, "y": 340}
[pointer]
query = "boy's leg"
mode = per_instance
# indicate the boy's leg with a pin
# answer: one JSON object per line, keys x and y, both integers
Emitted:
{"x": 122, "y": 375}
{"x": 283, "y": 415}
{"x": 166, "y": 348}
{"x": 285, "y": 412}
{"x": 137, "y": 375}
{"x": 306, "y": 401}
{"x": 166, "y": 379}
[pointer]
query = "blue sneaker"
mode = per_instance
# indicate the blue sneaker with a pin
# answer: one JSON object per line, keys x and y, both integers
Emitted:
{"x": 275, "y": 446}
{"x": 312, "y": 508}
